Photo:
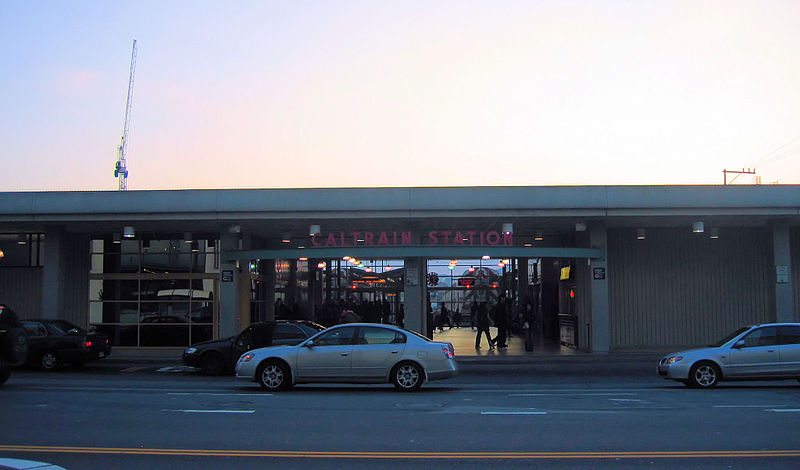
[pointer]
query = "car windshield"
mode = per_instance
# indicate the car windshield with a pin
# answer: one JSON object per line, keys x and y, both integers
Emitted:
{"x": 730, "y": 337}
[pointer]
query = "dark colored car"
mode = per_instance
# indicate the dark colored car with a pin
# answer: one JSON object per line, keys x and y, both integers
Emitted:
{"x": 13, "y": 342}
{"x": 53, "y": 342}
{"x": 220, "y": 356}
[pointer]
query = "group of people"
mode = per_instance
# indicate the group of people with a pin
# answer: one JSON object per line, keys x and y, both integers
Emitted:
{"x": 483, "y": 319}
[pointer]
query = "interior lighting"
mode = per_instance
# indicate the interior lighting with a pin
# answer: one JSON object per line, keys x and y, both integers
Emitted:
{"x": 508, "y": 228}
{"x": 698, "y": 227}
{"x": 538, "y": 236}
{"x": 322, "y": 265}
{"x": 387, "y": 268}
{"x": 116, "y": 239}
{"x": 302, "y": 259}
{"x": 314, "y": 230}
{"x": 713, "y": 233}
{"x": 128, "y": 232}
{"x": 368, "y": 269}
{"x": 22, "y": 239}
{"x": 528, "y": 245}
{"x": 485, "y": 257}
{"x": 2, "y": 254}
{"x": 640, "y": 234}
{"x": 286, "y": 238}
{"x": 506, "y": 261}
{"x": 471, "y": 269}
{"x": 345, "y": 258}
{"x": 501, "y": 264}
{"x": 187, "y": 237}
{"x": 195, "y": 247}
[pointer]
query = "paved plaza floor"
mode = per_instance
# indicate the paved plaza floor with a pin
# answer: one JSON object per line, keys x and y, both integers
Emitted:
{"x": 463, "y": 340}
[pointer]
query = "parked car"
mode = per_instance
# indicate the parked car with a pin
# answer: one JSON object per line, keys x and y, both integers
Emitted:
{"x": 13, "y": 342}
{"x": 53, "y": 342}
{"x": 352, "y": 353}
{"x": 219, "y": 356}
{"x": 769, "y": 351}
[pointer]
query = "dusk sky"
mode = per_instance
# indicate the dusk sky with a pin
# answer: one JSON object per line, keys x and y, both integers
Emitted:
{"x": 243, "y": 94}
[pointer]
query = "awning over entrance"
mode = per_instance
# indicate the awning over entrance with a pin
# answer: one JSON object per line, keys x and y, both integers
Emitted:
{"x": 397, "y": 252}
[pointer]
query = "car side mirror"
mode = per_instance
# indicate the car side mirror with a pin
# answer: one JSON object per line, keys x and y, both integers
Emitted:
{"x": 739, "y": 344}
{"x": 309, "y": 344}
{"x": 72, "y": 331}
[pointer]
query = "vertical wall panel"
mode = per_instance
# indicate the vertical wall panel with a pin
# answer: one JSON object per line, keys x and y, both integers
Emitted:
{"x": 21, "y": 289}
{"x": 794, "y": 235}
{"x": 77, "y": 264}
{"x": 678, "y": 288}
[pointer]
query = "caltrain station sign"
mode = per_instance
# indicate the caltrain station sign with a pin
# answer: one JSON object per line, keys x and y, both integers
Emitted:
{"x": 409, "y": 238}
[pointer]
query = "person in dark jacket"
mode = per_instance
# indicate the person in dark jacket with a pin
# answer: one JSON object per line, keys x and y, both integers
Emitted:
{"x": 500, "y": 318}
{"x": 482, "y": 321}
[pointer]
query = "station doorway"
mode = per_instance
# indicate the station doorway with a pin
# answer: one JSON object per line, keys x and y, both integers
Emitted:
{"x": 539, "y": 304}
{"x": 372, "y": 290}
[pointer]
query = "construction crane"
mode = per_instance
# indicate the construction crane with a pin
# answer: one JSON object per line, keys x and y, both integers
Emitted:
{"x": 121, "y": 169}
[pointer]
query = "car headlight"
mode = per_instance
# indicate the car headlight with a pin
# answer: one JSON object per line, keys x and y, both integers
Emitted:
{"x": 246, "y": 357}
{"x": 190, "y": 350}
{"x": 674, "y": 359}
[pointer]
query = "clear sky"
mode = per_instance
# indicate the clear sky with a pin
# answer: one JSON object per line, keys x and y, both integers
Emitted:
{"x": 243, "y": 94}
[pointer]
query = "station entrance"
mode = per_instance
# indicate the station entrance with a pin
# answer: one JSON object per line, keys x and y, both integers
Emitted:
{"x": 538, "y": 297}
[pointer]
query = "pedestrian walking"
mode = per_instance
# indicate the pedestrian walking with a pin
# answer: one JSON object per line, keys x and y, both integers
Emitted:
{"x": 482, "y": 321}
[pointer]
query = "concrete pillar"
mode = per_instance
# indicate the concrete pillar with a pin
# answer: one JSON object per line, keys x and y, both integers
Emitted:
{"x": 601, "y": 333}
{"x": 53, "y": 274}
{"x": 234, "y": 287}
{"x": 65, "y": 277}
{"x": 415, "y": 294}
{"x": 782, "y": 254}
{"x": 269, "y": 290}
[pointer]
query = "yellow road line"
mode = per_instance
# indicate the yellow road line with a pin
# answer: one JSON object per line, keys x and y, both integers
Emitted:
{"x": 405, "y": 455}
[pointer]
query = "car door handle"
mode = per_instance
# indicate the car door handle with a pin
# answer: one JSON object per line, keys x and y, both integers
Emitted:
{"x": 770, "y": 350}
{"x": 395, "y": 352}
{"x": 345, "y": 354}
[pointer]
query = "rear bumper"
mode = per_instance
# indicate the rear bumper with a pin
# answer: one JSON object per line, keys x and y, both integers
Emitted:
{"x": 450, "y": 369}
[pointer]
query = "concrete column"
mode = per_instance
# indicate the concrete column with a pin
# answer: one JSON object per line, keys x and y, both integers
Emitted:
{"x": 782, "y": 253}
{"x": 65, "y": 277}
{"x": 53, "y": 274}
{"x": 415, "y": 294}
{"x": 269, "y": 290}
{"x": 234, "y": 301}
{"x": 598, "y": 274}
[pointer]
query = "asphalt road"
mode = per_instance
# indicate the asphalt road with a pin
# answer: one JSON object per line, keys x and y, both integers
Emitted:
{"x": 579, "y": 415}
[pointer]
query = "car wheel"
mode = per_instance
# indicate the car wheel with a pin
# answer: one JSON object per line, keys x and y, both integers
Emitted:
{"x": 48, "y": 360}
{"x": 5, "y": 370}
{"x": 212, "y": 364}
{"x": 704, "y": 375}
{"x": 407, "y": 376}
{"x": 273, "y": 375}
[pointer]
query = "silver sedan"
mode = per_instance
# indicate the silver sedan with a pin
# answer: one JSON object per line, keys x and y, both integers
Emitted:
{"x": 352, "y": 353}
{"x": 769, "y": 351}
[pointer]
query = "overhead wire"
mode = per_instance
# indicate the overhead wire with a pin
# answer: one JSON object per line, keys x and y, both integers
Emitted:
{"x": 771, "y": 157}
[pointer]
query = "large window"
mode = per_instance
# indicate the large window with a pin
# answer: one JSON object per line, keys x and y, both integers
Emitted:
{"x": 155, "y": 293}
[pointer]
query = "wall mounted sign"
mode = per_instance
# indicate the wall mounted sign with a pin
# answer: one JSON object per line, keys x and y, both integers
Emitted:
{"x": 227, "y": 276}
{"x": 432, "y": 238}
{"x": 782, "y": 273}
{"x": 599, "y": 273}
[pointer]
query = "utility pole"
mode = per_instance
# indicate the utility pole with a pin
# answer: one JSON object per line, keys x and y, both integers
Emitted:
{"x": 747, "y": 171}
{"x": 121, "y": 169}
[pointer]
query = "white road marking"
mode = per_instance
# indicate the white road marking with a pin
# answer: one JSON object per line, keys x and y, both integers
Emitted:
{"x": 627, "y": 400}
{"x": 214, "y": 411}
{"x": 747, "y": 406}
{"x": 223, "y": 394}
{"x": 513, "y": 412}
{"x": 786, "y": 410}
{"x": 561, "y": 394}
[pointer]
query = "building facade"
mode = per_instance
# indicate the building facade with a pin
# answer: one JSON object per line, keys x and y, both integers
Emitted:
{"x": 599, "y": 268}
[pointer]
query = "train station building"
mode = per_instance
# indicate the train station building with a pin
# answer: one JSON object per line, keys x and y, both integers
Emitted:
{"x": 590, "y": 268}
